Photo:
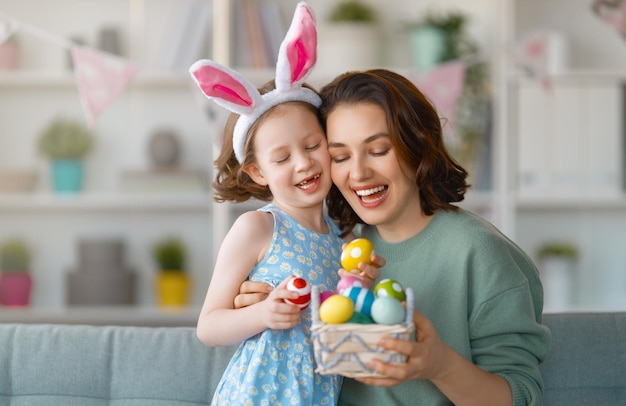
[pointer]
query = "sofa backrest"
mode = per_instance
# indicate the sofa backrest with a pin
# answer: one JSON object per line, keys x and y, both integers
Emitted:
{"x": 141, "y": 366}
{"x": 586, "y": 364}
{"x": 82, "y": 365}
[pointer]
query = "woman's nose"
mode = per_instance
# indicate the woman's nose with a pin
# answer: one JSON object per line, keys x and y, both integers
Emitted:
{"x": 359, "y": 169}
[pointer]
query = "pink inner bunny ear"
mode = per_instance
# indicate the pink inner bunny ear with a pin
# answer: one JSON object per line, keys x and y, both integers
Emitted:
{"x": 219, "y": 84}
{"x": 297, "y": 54}
{"x": 301, "y": 52}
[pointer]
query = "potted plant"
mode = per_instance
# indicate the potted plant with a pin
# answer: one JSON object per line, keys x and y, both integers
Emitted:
{"x": 172, "y": 282}
{"x": 350, "y": 38}
{"x": 66, "y": 142}
{"x": 557, "y": 267}
{"x": 15, "y": 280}
{"x": 441, "y": 36}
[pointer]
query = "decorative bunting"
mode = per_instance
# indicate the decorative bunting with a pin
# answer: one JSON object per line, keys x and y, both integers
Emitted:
{"x": 7, "y": 29}
{"x": 613, "y": 12}
{"x": 443, "y": 85}
{"x": 101, "y": 78}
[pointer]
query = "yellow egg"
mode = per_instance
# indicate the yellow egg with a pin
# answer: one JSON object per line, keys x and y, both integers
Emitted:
{"x": 356, "y": 251}
{"x": 336, "y": 309}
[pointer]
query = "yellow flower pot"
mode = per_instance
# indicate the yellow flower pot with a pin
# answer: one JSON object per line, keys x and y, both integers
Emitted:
{"x": 172, "y": 288}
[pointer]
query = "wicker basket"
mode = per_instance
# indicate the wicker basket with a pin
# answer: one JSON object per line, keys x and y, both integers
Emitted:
{"x": 345, "y": 349}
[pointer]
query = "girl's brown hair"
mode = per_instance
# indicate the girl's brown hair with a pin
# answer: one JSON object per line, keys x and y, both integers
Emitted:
{"x": 416, "y": 135}
{"x": 231, "y": 182}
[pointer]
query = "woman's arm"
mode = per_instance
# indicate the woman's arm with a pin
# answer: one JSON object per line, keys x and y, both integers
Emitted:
{"x": 219, "y": 322}
{"x": 462, "y": 382}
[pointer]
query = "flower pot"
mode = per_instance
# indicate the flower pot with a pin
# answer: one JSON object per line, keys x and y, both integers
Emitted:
{"x": 348, "y": 46}
{"x": 172, "y": 288}
{"x": 428, "y": 45}
{"x": 8, "y": 56}
{"x": 557, "y": 275}
{"x": 15, "y": 288}
{"x": 67, "y": 175}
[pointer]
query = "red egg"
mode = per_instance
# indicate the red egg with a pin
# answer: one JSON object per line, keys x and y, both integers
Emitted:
{"x": 303, "y": 288}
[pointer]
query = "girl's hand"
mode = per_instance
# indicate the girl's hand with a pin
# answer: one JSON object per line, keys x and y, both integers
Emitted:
{"x": 277, "y": 314}
{"x": 367, "y": 272}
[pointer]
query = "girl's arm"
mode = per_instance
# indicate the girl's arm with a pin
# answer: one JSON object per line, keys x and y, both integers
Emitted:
{"x": 219, "y": 323}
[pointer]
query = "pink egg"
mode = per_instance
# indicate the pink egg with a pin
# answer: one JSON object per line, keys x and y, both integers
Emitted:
{"x": 348, "y": 282}
{"x": 325, "y": 295}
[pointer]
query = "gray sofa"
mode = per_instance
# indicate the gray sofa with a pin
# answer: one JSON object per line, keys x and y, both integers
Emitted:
{"x": 45, "y": 364}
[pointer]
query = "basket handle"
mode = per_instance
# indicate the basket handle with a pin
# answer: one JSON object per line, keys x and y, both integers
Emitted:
{"x": 315, "y": 304}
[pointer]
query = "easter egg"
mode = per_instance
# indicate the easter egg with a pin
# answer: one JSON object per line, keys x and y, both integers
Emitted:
{"x": 360, "y": 318}
{"x": 391, "y": 288}
{"x": 356, "y": 251}
{"x": 325, "y": 295}
{"x": 348, "y": 281}
{"x": 303, "y": 288}
{"x": 387, "y": 310}
{"x": 362, "y": 299}
{"x": 336, "y": 309}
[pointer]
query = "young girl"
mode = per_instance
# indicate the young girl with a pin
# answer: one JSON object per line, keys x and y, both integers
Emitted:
{"x": 274, "y": 148}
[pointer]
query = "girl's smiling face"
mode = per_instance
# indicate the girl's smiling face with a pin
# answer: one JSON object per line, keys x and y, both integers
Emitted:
{"x": 367, "y": 172}
{"x": 292, "y": 157}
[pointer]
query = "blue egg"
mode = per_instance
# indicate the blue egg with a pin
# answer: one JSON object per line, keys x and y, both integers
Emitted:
{"x": 362, "y": 298}
{"x": 387, "y": 310}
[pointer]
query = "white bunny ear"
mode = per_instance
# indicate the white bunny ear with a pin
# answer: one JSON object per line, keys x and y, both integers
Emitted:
{"x": 225, "y": 86}
{"x": 298, "y": 51}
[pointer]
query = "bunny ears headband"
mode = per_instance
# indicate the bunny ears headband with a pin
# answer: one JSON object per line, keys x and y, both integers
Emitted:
{"x": 296, "y": 58}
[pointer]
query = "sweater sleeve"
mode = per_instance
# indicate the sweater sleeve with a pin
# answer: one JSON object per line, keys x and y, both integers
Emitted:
{"x": 506, "y": 339}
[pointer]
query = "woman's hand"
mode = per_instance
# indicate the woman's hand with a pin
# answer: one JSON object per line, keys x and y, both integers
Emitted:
{"x": 367, "y": 272}
{"x": 461, "y": 381}
{"x": 427, "y": 356}
{"x": 251, "y": 293}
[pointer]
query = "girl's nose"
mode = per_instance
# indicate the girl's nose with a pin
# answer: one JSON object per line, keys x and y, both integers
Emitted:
{"x": 303, "y": 161}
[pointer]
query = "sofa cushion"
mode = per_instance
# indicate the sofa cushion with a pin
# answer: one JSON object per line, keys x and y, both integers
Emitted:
{"x": 587, "y": 362}
{"x": 85, "y": 365}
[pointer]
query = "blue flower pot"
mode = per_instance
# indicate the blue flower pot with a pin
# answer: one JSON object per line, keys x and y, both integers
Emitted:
{"x": 67, "y": 175}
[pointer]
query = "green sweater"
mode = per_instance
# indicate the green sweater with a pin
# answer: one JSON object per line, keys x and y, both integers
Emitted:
{"x": 484, "y": 297}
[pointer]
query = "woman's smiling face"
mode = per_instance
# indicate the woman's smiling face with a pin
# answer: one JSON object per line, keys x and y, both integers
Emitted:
{"x": 365, "y": 167}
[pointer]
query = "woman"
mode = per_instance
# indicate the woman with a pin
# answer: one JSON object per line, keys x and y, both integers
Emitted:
{"x": 478, "y": 296}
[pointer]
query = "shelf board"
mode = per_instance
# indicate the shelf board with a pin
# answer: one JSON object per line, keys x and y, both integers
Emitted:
{"x": 103, "y": 315}
{"x": 65, "y": 79}
{"x": 112, "y": 201}
{"x": 572, "y": 202}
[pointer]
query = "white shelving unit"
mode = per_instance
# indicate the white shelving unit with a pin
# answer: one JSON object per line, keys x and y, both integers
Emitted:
{"x": 43, "y": 87}
{"x": 577, "y": 122}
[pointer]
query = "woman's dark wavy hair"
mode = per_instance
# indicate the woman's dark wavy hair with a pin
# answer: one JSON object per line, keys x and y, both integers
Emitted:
{"x": 416, "y": 135}
{"x": 231, "y": 182}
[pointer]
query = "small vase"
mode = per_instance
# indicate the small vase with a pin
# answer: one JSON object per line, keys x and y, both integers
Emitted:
{"x": 15, "y": 288}
{"x": 428, "y": 46}
{"x": 67, "y": 175}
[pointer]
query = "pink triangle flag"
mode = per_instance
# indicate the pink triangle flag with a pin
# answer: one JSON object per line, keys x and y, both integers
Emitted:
{"x": 613, "y": 13}
{"x": 443, "y": 85}
{"x": 101, "y": 78}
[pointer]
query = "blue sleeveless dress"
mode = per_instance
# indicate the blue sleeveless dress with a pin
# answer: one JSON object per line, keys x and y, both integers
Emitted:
{"x": 276, "y": 367}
